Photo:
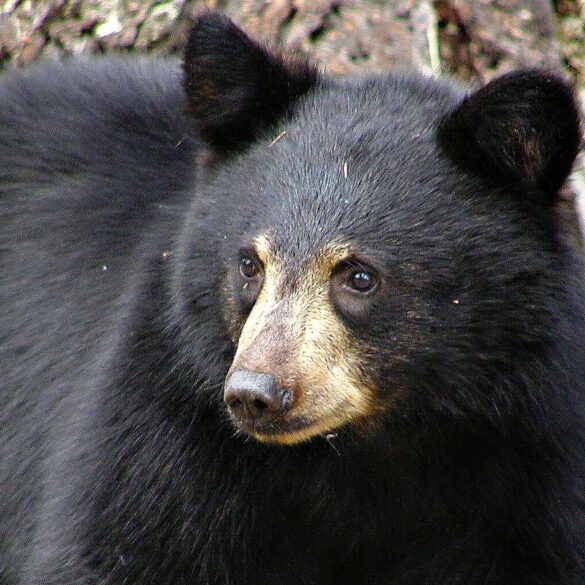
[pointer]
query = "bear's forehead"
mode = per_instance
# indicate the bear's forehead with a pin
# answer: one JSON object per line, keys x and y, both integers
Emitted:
{"x": 349, "y": 167}
{"x": 347, "y": 139}
{"x": 378, "y": 107}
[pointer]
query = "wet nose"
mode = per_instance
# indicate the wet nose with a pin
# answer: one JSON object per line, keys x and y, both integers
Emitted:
{"x": 254, "y": 396}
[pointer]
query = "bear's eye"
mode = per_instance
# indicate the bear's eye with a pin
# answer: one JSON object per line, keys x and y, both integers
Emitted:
{"x": 353, "y": 284}
{"x": 356, "y": 277}
{"x": 249, "y": 283}
{"x": 362, "y": 281}
{"x": 248, "y": 267}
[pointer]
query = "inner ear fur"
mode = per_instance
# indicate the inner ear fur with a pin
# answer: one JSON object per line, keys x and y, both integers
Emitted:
{"x": 236, "y": 88}
{"x": 522, "y": 128}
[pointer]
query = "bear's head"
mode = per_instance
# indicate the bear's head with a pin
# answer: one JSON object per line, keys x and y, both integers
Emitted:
{"x": 387, "y": 245}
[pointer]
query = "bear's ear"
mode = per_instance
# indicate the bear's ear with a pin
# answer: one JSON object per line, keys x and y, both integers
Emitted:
{"x": 522, "y": 128}
{"x": 235, "y": 87}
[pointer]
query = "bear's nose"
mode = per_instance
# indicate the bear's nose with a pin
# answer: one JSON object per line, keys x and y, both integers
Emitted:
{"x": 254, "y": 396}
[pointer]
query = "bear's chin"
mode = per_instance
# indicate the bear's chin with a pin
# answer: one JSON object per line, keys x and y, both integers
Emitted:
{"x": 289, "y": 431}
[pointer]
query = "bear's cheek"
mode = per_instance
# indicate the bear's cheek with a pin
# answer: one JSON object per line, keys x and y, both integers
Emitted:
{"x": 332, "y": 383}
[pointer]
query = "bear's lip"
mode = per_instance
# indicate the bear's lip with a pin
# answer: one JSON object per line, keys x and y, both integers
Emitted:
{"x": 286, "y": 430}
{"x": 278, "y": 425}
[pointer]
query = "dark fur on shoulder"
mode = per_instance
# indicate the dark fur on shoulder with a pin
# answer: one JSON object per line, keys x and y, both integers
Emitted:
{"x": 352, "y": 353}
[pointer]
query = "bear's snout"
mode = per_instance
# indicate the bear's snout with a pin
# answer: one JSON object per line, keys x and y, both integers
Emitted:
{"x": 255, "y": 398}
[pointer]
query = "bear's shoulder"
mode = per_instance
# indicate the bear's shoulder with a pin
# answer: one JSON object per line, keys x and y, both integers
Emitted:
{"x": 60, "y": 116}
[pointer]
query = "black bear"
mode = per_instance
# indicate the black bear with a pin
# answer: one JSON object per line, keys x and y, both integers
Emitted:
{"x": 263, "y": 327}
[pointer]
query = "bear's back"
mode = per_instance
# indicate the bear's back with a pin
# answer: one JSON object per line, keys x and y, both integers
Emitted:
{"x": 94, "y": 155}
{"x": 89, "y": 133}
{"x": 92, "y": 151}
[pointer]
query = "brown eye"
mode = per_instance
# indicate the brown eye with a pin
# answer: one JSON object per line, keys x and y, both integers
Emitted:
{"x": 353, "y": 286}
{"x": 248, "y": 268}
{"x": 250, "y": 280}
{"x": 359, "y": 279}
{"x": 362, "y": 281}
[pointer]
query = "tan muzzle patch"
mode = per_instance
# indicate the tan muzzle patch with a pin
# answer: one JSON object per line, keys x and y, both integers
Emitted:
{"x": 294, "y": 334}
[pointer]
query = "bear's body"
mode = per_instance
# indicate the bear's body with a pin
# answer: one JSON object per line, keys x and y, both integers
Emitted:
{"x": 440, "y": 434}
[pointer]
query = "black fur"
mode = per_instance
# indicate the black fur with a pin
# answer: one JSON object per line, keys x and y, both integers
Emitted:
{"x": 237, "y": 88}
{"x": 523, "y": 127}
{"x": 118, "y": 463}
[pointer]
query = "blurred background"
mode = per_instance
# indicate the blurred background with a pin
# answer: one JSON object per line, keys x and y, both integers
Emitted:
{"x": 472, "y": 40}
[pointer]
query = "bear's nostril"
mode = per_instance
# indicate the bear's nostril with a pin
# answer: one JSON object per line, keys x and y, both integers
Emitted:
{"x": 235, "y": 403}
{"x": 259, "y": 405}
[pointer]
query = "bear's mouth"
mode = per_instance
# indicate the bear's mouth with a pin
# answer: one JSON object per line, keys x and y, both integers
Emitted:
{"x": 287, "y": 430}
{"x": 279, "y": 425}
